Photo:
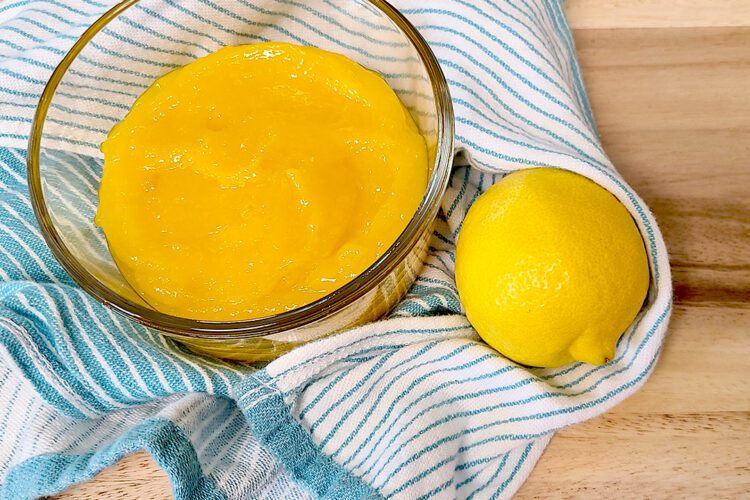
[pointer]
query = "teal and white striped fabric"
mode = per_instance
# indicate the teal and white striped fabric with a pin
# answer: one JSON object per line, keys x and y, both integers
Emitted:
{"x": 414, "y": 406}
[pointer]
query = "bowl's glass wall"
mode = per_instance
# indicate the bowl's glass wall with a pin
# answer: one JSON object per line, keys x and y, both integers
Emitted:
{"x": 153, "y": 37}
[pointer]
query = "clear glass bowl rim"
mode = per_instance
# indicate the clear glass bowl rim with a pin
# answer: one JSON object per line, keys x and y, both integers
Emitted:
{"x": 258, "y": 327}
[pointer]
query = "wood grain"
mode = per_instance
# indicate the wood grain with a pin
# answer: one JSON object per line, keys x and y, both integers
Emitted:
{"x": 647, "y": 456}
{"x": 602, "y": 14}
{"x": 674, "y": 116}
{"x": 136, "y": 476}
{"x": 673, "y": 109}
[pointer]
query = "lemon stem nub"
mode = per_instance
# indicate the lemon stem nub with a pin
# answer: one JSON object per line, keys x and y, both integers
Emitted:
{"x": 589, "y": 349}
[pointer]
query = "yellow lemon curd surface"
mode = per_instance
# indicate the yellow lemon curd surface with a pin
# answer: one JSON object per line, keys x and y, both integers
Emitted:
{"x": 258, "y": 179}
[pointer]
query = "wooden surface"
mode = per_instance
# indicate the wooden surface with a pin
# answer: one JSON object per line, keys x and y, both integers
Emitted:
{"x": 670, "y": 85}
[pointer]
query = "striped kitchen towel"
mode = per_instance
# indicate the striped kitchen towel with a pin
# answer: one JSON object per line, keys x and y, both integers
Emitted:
{"x": 413, "y": 406}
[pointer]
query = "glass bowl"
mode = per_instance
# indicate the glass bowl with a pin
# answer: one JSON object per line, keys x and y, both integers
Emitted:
{"x": 137, "y": 41}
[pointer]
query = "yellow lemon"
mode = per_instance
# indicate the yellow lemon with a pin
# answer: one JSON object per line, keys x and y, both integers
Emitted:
{"x": 550, "y": 268}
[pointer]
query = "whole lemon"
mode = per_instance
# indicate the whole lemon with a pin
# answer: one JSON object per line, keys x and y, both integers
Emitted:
{"x": 550, "y": 268}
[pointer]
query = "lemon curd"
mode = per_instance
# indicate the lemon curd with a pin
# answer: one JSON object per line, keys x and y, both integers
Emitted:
{"x": 258, "y": 179}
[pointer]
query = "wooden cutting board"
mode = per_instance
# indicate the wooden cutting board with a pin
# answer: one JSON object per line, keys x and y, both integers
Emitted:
{"x": 669, "y": 81}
